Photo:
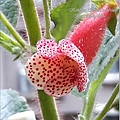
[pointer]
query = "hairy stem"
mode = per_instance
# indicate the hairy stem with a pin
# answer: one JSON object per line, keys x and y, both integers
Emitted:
{"x": 109, "y": 103}
{"x": 50, "y": 4}
{"x": 12, "y": 30}
{"x": 83, "y": 110}
{"x": 47, "y": 18}
{"x": 94, "y": 87}
{"x": 48, "y": 106}
{"x": 31, "y": 20}
{"x": 46, "y": 102}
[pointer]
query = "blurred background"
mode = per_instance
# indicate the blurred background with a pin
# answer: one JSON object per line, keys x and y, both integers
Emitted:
{"x": 12, "y": 75}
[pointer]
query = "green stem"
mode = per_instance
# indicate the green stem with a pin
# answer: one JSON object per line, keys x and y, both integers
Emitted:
{"x": 47, "y": 18}
{"x": 6, "y": 38}
{"x": 31, "y": 20}
{"x": 48, "y": 106}
{"x": 83, "y": 110}
{"x": 47, "y": 103}
{"x": 115, "y": 104}
{"x": 109, "y": 103}
{"x": 12, "y": 30}
{"x": 94, "y": 87}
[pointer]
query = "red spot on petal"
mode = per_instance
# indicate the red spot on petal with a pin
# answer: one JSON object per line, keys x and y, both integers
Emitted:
{"x": 37, "y": 80}
{"x": 37, "y": 69}
{"x": 34, "y": 63}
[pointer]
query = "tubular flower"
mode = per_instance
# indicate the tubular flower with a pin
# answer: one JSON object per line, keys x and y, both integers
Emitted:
{"x": 57, "y": 69}
{"x": 89, "y": 34}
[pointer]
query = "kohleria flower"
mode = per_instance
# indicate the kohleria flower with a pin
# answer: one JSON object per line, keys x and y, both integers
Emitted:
{"x": 57, "y": 69}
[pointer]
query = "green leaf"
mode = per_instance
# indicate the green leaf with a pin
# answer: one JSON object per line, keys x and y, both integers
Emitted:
{"x": 11, "y": 45}
{"x": 116, "y": 104}
{"x": 6, "y": 38}
{"x": 100, "y": 3}
{"x": 11, "y": 103}
{"x": 18, "y": 56}
{"x": 10, "y": 9}
{"x": 94, "y": 86}
{"x": 106, "y": 51}
{"x": 11, "y": 48}
{"x": 112, "y": 2}
{"x": 112, "y": 24}
{"x": 6, "y": 45}
{"x": 63, "y": 16}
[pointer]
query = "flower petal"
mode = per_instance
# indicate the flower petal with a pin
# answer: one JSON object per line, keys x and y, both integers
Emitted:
{"x": 39, "y": 67}
{"x": 47, "y": 47}
{"x": 82, "y": 77}
{"x": 57, "y": 69}
{"x": 63, "y": 80}
{"x": 70, "y": 50}
{"x": 89, "y": 34}
{"x": 36, "y": 68}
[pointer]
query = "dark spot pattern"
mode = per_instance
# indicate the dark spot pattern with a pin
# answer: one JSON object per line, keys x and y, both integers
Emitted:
{"x": 57, "y": 69}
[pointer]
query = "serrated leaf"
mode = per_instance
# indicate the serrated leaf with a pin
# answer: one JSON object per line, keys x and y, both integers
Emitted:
{"x": 10, "y": 9}
{"x": 106, "y": 51}
{"x": 63, "y": 16}
{"x": 95, "y": 85}
{"x": 112, "y": 24}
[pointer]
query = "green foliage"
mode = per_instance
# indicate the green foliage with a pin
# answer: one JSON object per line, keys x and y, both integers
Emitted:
{"x": 63, "y": 16}
{"x": 10, "y": 44}
{"x": 112, "y": 2}
{"x": 100, "y": 3}
{"x": 11, "y": 103}
{"x": 110, "y": 101}
{"x": 112, "y": 24}
{"x": 10, "y": 9}
{"x": 94, "y": 86}
{"x": 116, "y": 104}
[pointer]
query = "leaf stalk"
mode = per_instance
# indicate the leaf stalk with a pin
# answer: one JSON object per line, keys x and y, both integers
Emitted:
{"x": 12, "y": 30}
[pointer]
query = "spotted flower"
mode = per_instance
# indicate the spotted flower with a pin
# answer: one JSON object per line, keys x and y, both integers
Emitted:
{"x": 57, "y": 69}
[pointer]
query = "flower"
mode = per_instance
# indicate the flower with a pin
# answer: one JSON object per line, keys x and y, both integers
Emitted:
{"x": 89, "y": 33}
{"x": 57, "y": 69}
